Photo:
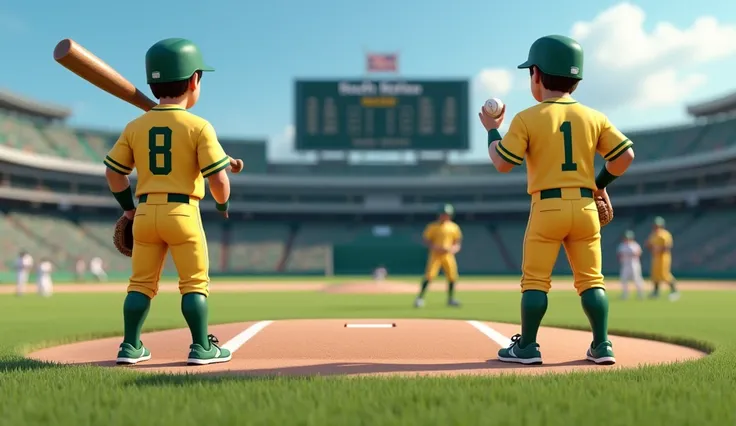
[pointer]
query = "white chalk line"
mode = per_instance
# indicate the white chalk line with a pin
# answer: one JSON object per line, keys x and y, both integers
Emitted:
{"x": 369, "y": 325}
{"x": 239, "y": 340}
{"x": 492, "y": 334}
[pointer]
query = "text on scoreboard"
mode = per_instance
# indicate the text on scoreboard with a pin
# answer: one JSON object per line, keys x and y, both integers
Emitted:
{"x": 382, "y": 115}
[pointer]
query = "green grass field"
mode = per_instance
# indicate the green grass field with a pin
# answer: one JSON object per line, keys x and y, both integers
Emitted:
{"x": 696, "y": 393}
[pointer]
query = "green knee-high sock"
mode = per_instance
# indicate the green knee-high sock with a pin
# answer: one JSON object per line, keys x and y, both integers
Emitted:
{"x": 135, "y": 311}
{"x": 673, "y": 286}
{"x": 533, "y": 308}
{"x": 595, "y": 305}
{"x": 194, "y": 308}
{"x": 423, "y": 290}
{"x": 656, "y": 288}
{"x": 450, "y": 290}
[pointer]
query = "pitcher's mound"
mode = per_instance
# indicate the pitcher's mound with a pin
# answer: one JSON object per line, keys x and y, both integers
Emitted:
{"x": 370, "y": 347}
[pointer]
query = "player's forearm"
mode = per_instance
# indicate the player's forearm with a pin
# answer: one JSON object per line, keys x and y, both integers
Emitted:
{"x": 120, "y": 187}
{"x": 220, "y": 187}
{"x": 501, "y": 165}
{"x": 115, "y": 181}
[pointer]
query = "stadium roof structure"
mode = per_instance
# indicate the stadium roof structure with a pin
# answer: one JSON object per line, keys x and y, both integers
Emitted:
{"x": 720, "y": 105}
{"x": 19, "y": 103}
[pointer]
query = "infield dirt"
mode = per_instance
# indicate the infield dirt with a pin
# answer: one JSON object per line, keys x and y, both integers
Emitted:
{"x": 334, "y": 347}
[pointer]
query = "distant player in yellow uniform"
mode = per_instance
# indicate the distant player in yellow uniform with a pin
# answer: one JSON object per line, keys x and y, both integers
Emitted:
{"x": 172, "y": 151}
{"x": 559, "y": 138}
{"x": 443, "y": 238}
{"x": 660, "y": 245}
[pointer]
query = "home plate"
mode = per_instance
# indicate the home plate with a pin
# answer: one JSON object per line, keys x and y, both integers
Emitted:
{"x": 392, "y": 325}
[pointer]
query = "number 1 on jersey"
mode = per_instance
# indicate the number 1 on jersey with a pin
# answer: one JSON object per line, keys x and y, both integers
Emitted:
{"x": 568, "y": 165}
{"x": 154, "y": 150}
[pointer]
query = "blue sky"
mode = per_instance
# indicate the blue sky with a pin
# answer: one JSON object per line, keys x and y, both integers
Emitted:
{"x": 259, "y": 48}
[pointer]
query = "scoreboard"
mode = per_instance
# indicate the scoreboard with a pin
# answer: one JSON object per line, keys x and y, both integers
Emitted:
{"x": 354, "y": 115}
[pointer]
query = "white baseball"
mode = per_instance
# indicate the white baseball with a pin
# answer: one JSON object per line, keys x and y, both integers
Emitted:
{"x": 493, "y": 107}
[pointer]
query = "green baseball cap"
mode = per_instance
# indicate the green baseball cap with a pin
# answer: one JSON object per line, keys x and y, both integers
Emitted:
{"x": 629, "y": 235}
{"x": 659, "y": 221}
{"x": 447, "y": 209}
{"x": 556, "y": 55}
{"x": 173, "y": 59}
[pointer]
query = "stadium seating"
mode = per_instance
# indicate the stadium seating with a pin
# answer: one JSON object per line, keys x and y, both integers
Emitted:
{"x": 704, "y": 241}
{"x": 24, "y": 133}
{"x": 257, "y": 247}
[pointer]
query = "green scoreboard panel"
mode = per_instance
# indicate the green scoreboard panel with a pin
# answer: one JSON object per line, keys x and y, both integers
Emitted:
{"x": 355, "y": 115}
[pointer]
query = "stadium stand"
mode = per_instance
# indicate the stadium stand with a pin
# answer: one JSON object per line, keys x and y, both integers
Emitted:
{"x": 257, "y": 247}
{"x": 21, "y": 132}
{"x": 704, "y": 239}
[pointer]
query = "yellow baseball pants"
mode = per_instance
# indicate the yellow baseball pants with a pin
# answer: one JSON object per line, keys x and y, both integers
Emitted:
{"x": 163, "y": 222}
{"x": 565, "y": 217}
{"x": 661, "y": 270}
{"x": 445, "y": 261}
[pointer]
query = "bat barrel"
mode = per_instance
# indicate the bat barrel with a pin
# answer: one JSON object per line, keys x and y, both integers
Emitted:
{"x": 62, "y": 49}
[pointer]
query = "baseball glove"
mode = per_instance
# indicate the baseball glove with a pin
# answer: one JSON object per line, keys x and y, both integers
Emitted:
{"x": 605, "y": 211}
{"x": 122, "y": 238}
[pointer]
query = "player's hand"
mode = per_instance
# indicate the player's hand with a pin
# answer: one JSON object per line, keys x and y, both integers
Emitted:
{"x": 129, "y": 214}
{"x": 236, "y": 165}
{"x": 604, "y": 194}
{"x": 489, "y": 122}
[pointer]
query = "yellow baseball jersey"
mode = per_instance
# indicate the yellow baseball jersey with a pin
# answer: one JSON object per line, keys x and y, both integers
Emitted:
{"x": 559, "y": 138}
{"x": 443, "y": 234}
{"x": 660, "y": 241}
{"x": 172, "y": 150}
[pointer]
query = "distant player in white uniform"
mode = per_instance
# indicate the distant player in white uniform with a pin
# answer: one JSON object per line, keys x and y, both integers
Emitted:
{"x": 380, "y": 274}
{"x": 43, "y": 278}
{"x": 23, "y": 267}
{"x": 96, "y": 268}
{"x": 629, "y": 256}
{"x": 80, "y": 268}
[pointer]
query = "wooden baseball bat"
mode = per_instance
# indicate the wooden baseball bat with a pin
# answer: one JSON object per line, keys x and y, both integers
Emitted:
{"x": 85, "y": 64}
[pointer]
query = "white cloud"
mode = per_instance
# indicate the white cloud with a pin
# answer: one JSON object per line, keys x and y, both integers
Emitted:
{"x": 495, "y": 81}
{"x": 626, "y": 65}
{"x": 281, "y": 147}
{"x": 666, "y": 87}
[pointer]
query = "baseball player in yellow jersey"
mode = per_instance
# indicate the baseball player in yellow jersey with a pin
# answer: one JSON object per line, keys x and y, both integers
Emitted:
{"x": 559, "y": 139}
{"x": 443, "y": 238}
{"x": 173, "y": 152}
{"x": 660, "y": 245}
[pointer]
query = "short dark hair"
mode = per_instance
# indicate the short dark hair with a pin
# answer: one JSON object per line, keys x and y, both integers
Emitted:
{"x": 172, "y": 89}
{"x": 556, "y": 83}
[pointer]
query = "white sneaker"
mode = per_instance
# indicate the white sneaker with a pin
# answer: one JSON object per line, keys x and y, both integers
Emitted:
{"x": 674, "y": 297}
{"x": 419, "y": 303}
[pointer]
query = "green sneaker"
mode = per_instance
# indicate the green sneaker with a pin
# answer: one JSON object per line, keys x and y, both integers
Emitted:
{"x": 200, "y": 356}
{"x": 128, "y": 354}
{"x": 514, "y": 353}
{"x": 601, "y": 354}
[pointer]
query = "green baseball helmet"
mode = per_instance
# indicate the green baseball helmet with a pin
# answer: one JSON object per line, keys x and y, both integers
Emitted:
{"x": 173, "y": 59}
{"x": 659, "y": 221}
{"x": 447, "y": 209}
{"x": 629, "y": 235}
{"x": 556, "y": 55}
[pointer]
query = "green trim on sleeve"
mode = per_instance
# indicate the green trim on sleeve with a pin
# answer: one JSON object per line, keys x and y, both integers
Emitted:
{"x": 508, "y": 155}
{"x": 218, "y": 163}
{"x": 116, "y": 166}
{"x": 618, "y": 147}
{"x": 620, "y": 153}
{"x": 213, "y": 171}
{"x": 505, "y": 157}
